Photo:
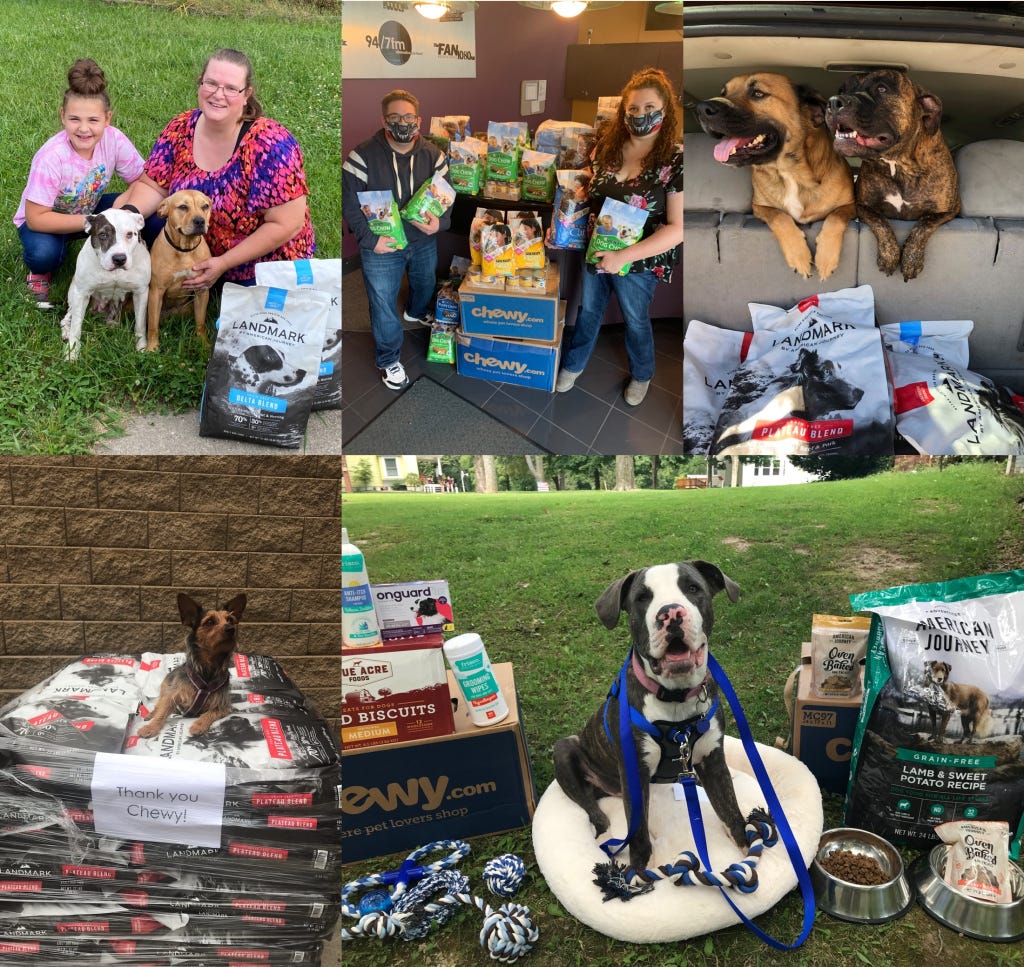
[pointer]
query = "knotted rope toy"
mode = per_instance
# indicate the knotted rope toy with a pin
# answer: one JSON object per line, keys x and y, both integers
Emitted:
{"x": 411, "y": 911}
{"x": 623, "y": 883}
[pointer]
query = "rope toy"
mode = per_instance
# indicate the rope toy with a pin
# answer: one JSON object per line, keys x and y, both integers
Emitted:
{"x": 623, "y": 883}
{"x": 504, "y": 874}
{"x": 411, "y": 911}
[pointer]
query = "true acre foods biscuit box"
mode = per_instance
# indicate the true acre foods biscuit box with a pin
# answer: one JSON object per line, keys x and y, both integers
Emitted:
{"x": 397, "y": 692}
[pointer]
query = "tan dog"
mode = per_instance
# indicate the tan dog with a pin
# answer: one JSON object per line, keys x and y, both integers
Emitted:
{"x": 778, "y": 128}
{"x": 969, "y": 700}
{"x": 179, "y": 246}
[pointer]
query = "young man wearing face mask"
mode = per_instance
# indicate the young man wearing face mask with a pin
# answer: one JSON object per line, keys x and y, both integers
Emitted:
{"x": 398, "y": 160}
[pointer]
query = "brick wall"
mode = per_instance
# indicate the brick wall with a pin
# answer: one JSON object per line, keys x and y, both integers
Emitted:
{"x": 94, "y": 550}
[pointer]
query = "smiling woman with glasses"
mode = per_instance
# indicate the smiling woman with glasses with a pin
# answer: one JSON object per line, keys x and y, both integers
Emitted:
{"x": 248, "y": 164}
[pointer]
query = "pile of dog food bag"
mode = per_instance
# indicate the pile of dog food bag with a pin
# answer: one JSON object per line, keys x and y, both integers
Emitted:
{"x": 76, "y": 882}
{"x": 822, "y": 379}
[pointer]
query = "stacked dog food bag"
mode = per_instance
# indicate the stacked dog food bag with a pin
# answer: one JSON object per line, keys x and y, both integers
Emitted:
{"x": 214, "y": 849}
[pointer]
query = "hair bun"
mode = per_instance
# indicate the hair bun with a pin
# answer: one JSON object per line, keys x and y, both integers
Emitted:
{"x": 86, "y": 78}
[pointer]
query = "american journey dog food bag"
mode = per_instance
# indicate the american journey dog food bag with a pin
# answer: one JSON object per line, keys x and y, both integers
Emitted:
{"x": 941, "y": 730}
{"x": 942, "y": 407}
{"x": 382, "y": 216}
{"x": 263, "y": 371}
{"x": 710, "y": 356}
{"x": 814, "y": 382}
{"x": 324, "y": 275}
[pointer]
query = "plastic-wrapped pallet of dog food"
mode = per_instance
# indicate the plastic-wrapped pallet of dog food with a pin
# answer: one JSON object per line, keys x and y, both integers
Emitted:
{"x": 324, "y": 275}
{"x": 942, "y": 407}
{"x": 814, "y": 382}
{"x": 263, "y": 371}
{"x": 618, "y": 226}
{"x": 382, "y": 216}
{"x": 939, "y": 736}
{"x": 710, "y": 356}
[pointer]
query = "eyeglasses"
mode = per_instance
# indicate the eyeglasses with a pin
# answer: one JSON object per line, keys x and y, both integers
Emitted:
{"x": 403, "y": 118}
{"x": 230, "y": 91}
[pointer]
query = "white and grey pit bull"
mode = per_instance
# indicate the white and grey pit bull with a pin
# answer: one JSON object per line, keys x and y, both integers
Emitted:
{"x": 670, "y": 619}
{"x": 113, "y": 264}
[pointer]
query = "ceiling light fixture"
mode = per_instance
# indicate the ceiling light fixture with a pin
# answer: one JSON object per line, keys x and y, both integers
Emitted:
{"x": 569, "y": 8}
{"x": 432, "y": 11}
{"x": 672, "y": 7}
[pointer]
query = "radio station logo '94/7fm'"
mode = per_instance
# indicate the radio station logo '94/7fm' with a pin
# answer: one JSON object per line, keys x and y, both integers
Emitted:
{"x": 393, "y": 42}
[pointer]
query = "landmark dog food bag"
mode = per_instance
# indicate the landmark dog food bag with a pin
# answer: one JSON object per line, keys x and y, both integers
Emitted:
{"x": 814, "y": 382}
{"x": 324, "y": 275}
{"x": 262, "y": 376}
{"x": 618, "y": 225}
{"x": 942, "y": 408}
{"x": 940, "y": 732}
{"x": 382, "y": 216}
{"x": 710, "y": 356}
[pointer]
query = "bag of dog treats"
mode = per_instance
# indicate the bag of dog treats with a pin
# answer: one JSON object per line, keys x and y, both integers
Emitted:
{"x": 838, "y": 646}
{"x": 940, "y": 735}
{"x": 978, "y": 859}
{"x": 618, "y": 226}
{"x": 571, "y": 209}
{"x": 263, "y": 370}
{"x": 505, "y": 142}
{"x": 710, "y": 356}
{"x": 499, "y": 256}
{"x": 538, "y": 175}
{"x": 435, "y": 196}
{"x": 814, "y": 382}
{"x": 324, "y": 275}
{"x": 528, "y": 242}
{"x": 942, "y": 408}
{"x": 441, "y": 347}
{"x": 382, "y": 216}
{"x": 483, "y": 218}
{"x": 466, "y": 162}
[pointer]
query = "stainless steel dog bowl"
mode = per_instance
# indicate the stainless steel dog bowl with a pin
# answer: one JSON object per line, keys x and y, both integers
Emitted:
{"x": 978, "y": 919}
{"x": 857, "y": 902}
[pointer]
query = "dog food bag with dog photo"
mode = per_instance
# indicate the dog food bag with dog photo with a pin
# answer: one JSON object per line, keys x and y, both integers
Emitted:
{"x": 940, "y": 732}
{"x": 942, "y": 407}
{"x": 499, "y": 255}
{"x": 710, "y": 356}
{"x": 466, "y": 163}
{"x": 382, "y": 216}
{"x": 505, "y": 142}
{"x": 814, "y": 382}
{"x": 538, "y": 175}
{"x": 838, "y": 646}
{"x": 481, "y": 220}
{"x": 435, "y": 196}
{"x": 618, "y": 226}
{"x": 571, "y": 209}
{"x": 528, "y": 242}
{"x": 325, "y": 275}
{"x": 978, "y": 859}
{"x": 263, "y": 370}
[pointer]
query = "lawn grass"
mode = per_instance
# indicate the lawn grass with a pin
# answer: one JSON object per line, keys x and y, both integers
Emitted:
{"x": 151, "y": 55}
{"x": 524, "y": 571}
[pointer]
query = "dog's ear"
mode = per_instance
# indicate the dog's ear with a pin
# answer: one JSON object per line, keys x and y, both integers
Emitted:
{"x": 189, "y": 610}
{"x": 813, "y": 101}
{"x": 164, "y": 209}
{"x": 89, "y": 221}
{"x": 931, "y": 111}
{"x": 236, "y": 606}
{"x": 609, "y": 605}
{"x": 718, "y": 580}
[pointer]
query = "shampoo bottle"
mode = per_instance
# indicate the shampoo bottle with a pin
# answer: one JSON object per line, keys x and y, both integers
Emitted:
{"x": 472, "y": 669}
{"x": 358, "y": 619}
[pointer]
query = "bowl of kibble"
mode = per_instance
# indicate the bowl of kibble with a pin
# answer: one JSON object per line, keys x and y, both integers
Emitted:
{"x": 859, "y": 877}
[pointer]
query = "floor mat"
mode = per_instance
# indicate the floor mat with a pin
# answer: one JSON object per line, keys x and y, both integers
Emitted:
{"x": 457, "y": 425}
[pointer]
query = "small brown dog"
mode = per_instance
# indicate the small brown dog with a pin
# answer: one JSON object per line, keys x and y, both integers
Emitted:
{"x": 200, "y": 686}
{"x": 969, "y": 700}
{"x": 178, "y": 247}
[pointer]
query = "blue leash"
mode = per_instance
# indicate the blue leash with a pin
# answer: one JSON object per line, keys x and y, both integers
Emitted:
{"x": 612, "y": 847}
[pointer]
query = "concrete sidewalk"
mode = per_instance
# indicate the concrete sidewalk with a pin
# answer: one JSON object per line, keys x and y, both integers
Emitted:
{"x": 155, "y": 434}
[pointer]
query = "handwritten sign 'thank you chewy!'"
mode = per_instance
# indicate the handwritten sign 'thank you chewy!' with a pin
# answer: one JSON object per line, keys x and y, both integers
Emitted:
{"x": 157, "y": 800}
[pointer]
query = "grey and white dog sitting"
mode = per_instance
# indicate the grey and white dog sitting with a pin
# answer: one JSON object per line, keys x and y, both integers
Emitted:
{"x": 668, "y": 682}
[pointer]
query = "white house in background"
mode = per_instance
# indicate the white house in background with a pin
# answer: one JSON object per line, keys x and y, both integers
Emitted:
{"x": 386, "y": 472}
{"x": 770, "y": 472}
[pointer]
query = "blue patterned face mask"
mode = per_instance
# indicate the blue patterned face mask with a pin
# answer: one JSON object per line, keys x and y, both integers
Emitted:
{"x": 641, "y": 125}
{"x": 401, "y": 132}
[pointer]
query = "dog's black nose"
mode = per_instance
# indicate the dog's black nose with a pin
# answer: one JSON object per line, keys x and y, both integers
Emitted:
{"x": 119, "y": 260}
{"x": 835, "y": 103}
{"x": 199, "y": 221}
{"x": 707, "y": 109}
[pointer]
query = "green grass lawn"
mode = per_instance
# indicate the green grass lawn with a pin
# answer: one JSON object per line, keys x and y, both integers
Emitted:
{"x": 524, "y": 571}
{"x": 151, "y": 55}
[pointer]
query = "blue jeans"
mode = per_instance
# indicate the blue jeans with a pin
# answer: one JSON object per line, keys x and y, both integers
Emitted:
{"x": 635, "y": 292}
{"x": 43, "y": 252}
{"x": 382, "y": 276}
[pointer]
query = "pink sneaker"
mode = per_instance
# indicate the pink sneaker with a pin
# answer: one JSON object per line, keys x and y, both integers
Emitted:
{"x": 39, "y": 289}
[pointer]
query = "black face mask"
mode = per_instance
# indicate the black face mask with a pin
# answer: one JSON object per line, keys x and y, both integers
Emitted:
{"x": 642, "y": 125}
{"x": 402, "y": 133}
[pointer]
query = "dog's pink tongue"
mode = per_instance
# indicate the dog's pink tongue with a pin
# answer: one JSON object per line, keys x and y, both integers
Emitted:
{"x": 723, "y": 149}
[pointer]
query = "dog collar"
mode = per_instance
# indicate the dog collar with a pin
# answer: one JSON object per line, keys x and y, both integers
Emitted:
{"x": 667, "y": 694}
{"x": 204, "y": 689}
{"x": 175, "y": 245}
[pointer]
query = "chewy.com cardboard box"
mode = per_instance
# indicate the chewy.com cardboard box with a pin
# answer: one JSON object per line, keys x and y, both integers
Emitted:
{"x": 520, "y": 362}
{"x": 512, "y": 313}
{"x": 823, "y": 729}
{"x": 474, "y": 782}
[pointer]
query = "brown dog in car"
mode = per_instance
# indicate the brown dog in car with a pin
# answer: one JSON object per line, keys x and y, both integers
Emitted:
{"x": 778, "y": 128}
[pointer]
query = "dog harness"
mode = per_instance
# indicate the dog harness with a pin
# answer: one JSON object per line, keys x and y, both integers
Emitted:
{"x": 204, "y": 688}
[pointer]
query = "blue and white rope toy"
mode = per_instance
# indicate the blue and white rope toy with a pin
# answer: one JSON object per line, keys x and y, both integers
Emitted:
{"x": 410, "y": 911}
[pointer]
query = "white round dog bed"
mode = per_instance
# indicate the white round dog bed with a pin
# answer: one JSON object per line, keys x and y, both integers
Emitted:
{"x": 567, "y": 852}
